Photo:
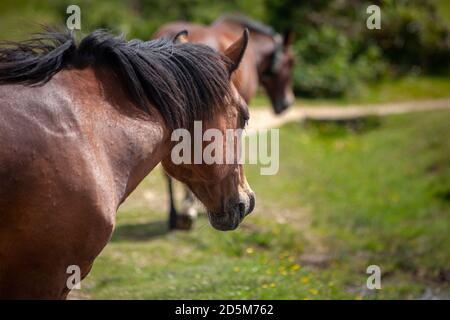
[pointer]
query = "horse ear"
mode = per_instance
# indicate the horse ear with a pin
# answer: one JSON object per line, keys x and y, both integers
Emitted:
{"x": 180, "y": 37}
{"x": 288, "y": 38}
{"x": 236, "y": 51}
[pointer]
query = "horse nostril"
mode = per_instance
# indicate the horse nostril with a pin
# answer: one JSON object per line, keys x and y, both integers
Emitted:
{"x": 252, "y": 202}
{"x": 281, "y": 106}
{"x": 278, "y": 110}
{"x": 241, "y": 210}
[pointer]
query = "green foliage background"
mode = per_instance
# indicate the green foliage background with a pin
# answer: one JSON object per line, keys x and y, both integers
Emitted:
{"x": 335, "y": 51}
{"x": 342, "y": 200}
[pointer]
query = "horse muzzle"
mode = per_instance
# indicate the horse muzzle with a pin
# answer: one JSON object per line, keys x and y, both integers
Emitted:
{"x": 280, "y": 104}
{"x": 234, "y": 212}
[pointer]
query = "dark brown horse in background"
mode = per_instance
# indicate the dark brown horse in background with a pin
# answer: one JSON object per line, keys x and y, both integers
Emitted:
{"x": 268, "y": 61}
{"x": 82, "y": 124}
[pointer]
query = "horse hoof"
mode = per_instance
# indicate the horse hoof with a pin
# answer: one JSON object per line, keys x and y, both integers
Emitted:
{"x": 183, "y": 222}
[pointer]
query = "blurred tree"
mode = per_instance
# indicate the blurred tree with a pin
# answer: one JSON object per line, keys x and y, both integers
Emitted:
{"x": 335, "y": 50}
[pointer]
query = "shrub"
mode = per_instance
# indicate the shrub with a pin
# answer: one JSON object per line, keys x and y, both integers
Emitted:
{"x": 327, "y": 66}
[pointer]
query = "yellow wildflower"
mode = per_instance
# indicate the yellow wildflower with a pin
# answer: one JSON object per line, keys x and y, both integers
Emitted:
{"x": 313, "y": 291}
{"x": 304, "y": 279}
{"x": 295, "y": 267}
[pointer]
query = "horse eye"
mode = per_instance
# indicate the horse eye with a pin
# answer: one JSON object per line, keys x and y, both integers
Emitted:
{"x": 245, "y": 116}
{"x": 246, "y": 121}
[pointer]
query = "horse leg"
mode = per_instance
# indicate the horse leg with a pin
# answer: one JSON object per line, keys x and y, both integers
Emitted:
{"x": 188, "y": 207}
{"x": 172, "y": 210}
{"x": 177, "y": 221}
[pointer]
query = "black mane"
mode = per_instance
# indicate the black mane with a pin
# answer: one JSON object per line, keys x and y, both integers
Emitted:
{"x": 184, "y": 81}
{"x": 246, "y": 22}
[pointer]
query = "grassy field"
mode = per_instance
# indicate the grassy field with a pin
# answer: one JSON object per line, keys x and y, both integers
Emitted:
{"x": 387, "y": 91}
{"x": 345, "y": 197}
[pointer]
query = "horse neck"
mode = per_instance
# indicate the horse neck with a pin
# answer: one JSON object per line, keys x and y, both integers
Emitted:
{"x": 263, "y": 46}
{"x": 130, "y": 142}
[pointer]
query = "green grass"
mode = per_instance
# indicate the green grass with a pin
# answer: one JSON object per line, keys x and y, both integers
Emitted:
{"x": 342, "y": 200}
{"x": 443, "y": 7}
{"x": 380, "y": 196}
{"x": 409, "y": 88}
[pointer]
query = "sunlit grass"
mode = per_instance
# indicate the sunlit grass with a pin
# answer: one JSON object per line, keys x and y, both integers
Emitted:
{"x": 341, "y": 201}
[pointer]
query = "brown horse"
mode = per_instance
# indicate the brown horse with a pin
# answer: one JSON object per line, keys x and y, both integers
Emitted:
{"x": 268, "y": 61}
{"x": 82, "y": 124}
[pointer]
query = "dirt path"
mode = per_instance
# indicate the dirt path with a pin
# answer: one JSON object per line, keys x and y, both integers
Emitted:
{"x": 263, "y": 117}
{"x": 154, "y": 196}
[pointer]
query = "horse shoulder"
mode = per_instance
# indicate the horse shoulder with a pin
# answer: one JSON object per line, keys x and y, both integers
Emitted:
{"x": 44, "y": 144}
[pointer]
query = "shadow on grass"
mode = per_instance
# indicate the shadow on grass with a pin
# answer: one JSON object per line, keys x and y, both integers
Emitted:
{"x": 140, "y": 231}
{"x": 341, "y": 127}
